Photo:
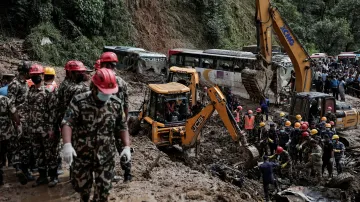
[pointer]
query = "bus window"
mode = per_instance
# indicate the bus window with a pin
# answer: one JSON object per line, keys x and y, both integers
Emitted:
{"x": 191, "y": 61}
{"x": 173, "y": 61}
{"x": 207, "y": 63}
{"x": 225, "y": 65}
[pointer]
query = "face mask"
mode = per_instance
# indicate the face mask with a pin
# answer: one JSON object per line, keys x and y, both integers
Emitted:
{"x": 282, "y": 131}
{"x": 36, "y": 79}
{"x": 329, "y": 112}
{"x": 103, "y": 97}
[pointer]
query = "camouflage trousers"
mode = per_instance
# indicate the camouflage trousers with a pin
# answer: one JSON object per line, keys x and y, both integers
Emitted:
{"x": 84, "y": 172}
{"x": 24, "y": 150}
{"x": 45, "y": 151}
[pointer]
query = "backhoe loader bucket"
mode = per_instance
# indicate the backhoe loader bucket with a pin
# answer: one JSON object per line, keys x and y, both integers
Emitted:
{"x": 250, "y": 154}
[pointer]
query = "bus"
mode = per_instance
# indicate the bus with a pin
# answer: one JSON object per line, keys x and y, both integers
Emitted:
{"x": 223, "y": 68}
{"x": 347, "y": 58}
{"x": 138, "y": 59}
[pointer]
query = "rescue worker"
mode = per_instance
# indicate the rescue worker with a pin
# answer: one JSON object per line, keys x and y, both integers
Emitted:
{"x": 328, "y": 156}
{"x": 283, "y": 137}
{"x": 304, "y": 147}
{"x": 6, "y": 79}
{"x": 92, "y": 122}
{"x": 204, "y": 96}
{"x": 267, "y": 172}
{"x": 238, "y": 115}
{"x": 315, "y": 160}
{"x": 7, "y": 115}
{"x": 330, "y": 115}
{"x": 333, "y": 129}
{"x": 249, "y": 121}
{"x": 294, "y": 141}
{"x": 265, "y": 107}
{"x": 285, "y": 162}
{"x": 282, "y": 119}
{"x": 258, "y": 119}
{"x": 322, "y": 123}
{"x": 49, "y": 79}
{"x": 41, "y": 108}
{"x": 328, "y": 131}
{"x": 263, "y": 139}
{"x": 339, "y": 150}
{"x": 61, "y": 92}
{"x": 109, "y": 60}
{"x": 315, "y": 135}
{"x": 298, "y": 118}
{"x": 273, "y": 138}
{"x": 17, "y": 92}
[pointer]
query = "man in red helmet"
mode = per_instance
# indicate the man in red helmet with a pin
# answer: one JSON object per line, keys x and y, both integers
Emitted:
{"x": 109, "y": 60}
{"x": 315, "y": 160}
{"x": 285, "y": 162}
{"x": 330, "y": 116}
{"x": 92, "y": 122}
{"x": 41, "y": 109}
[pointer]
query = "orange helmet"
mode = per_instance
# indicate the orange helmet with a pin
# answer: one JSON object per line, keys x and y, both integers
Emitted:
{"x": 36, "y": 69}
{"x": 258, "y": 110}
{"x": 105, "y": 80}
{"x": 287, "y": 123}
{"x": 323, "y": 118}
{"x": 109, "y": 57}
{"x": 297, "y": 125}
{"x": 279, "y": 150}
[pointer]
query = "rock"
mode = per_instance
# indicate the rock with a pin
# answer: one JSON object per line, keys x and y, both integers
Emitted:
{"x": 194, "y": 195}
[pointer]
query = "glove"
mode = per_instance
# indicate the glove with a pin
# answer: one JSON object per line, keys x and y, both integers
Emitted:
{"x": 336, "y": 150}
{"x": 284, "y": 165}
{"x": 127, "y": 153}
{"x": 68, "y": 153}
{"x": 270, "y": 157}
{"x": 271, "y": 141}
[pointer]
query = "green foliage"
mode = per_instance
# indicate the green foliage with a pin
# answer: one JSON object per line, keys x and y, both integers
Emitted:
{"x": 89, "y": 15}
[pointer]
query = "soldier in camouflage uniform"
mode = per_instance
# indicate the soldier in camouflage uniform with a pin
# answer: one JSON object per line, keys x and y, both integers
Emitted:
{"x": 108, "y": 60}
{"x": 330, "y": 116}
{"x": 41, "y": 124}
{"x": 92, "y": 123}
{"x": 7, "y": 113}
{"x": 21, "y": 145}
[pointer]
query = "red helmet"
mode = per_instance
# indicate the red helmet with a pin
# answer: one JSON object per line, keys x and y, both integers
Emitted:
{"x": 329, "y": 108}
{"x": 279, "y": 150}
{"x": 97, "y": 65}
{"x": 67, "y": 64}
{"x": 305, "y": 134}
{"x": 75, "y": 65}
{"x": 109, "y": 57}
{"x": 258, "y": 109}
{"x": 304, "y": 127}
{"x": 250, "y": 112}
{"x": 332, "y": 123}
{"x": 105, "y": 80}
{"x": 306, "y": 123}
{"x": 36, "y": 69}
{"x": 239, "y": 108}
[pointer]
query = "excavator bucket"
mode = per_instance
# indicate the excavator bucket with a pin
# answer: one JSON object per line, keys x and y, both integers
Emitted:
{"x": 257, "y": 82}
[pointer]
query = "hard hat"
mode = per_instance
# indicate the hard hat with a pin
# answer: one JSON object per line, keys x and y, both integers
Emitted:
{"x": 258, "y": 109}
{"x": 329, "y": 108}
{"x": 282, "y": 114}
{"x": 305, "y": 134}
{"x": 49, "y": 71}
{"x": 97, "y": 65}
{"x": 262, "y": 124}
{"x": 105, "y": 80}
{"x": 328, "y": 125}
{"x": 75, "y": 65}
{"x": 250, "y": 112}
{"x": 287, "y": 123}
{"x": 67, "y": 64}
{"x": 335, "y": 137}
{"x": 24, "y": 67}
{"x": 239, "y": 108}
{"x": 109, "y": 57}
{"x": 323, "y": 118}
{"x": 332, "y": 123}
{"x": 298, "y": 117}
{"x": 304, "y": 127}
{"x": 279, "y": 150}
{"x": 306, "y": 123}
{"x": 314, "y": 131}
{"x": 36, "y": 69}
{"x": 297, "y": 125}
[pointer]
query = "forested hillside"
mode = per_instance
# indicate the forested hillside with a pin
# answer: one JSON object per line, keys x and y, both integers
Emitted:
{"x": 78, "y": 29}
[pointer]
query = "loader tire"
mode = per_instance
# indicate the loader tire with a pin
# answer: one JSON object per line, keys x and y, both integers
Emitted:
{"x": 341, "y": 181}
{"x": 134, "y": 125}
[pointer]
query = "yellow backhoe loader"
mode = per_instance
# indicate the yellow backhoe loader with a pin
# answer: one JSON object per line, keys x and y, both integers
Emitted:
{"x": 167, "y": 119}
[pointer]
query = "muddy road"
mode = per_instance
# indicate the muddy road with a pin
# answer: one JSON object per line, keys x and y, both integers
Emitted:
{"x": 175, "y": 176}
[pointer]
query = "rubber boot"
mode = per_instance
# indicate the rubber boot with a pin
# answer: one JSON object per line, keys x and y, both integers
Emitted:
{"x": 42, "y": 179}
{"x": 1, "y": 177}
{"x": 85, "y": 198}
{"x": 53, "y": 177}
{"x": 126, "y": 167}
{"x": 24, "y": 176}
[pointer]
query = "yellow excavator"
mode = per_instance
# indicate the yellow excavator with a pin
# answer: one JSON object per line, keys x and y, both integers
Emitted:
{"x": 310, "y": 105}
{"x": 166, "y": 118}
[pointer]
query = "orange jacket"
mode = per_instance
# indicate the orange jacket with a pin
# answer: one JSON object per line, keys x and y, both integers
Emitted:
{"x": 237, "y": 118}
{"x": 29, "y": 82}
{"x": 249, "y": 122}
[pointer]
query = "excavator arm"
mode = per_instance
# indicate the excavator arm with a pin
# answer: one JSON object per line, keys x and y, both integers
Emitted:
{"x": 269, "y": 16}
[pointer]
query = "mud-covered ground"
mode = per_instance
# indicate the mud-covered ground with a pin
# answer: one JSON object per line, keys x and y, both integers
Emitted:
{"x": 176, "y": 176}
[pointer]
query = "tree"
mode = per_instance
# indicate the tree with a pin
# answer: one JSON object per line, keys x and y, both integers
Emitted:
{"x": 331, "y": 36}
